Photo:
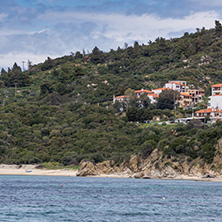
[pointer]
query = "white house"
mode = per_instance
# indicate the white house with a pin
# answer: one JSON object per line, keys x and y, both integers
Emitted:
{"x": 159, "y": 90}
{"x": 216, "y": 89}
{"x": 119, "y": 98}
{"x": 215, "y": 101}
{"x": 153, "y": 98}
{"x": 213, "y": 113}
{"x": 142, "y": 91}
{"x": 177, "y": 86}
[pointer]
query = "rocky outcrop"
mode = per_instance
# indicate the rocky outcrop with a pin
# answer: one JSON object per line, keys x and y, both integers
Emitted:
{"x": 87, "y": 168}
{"x": 155, "y": 166}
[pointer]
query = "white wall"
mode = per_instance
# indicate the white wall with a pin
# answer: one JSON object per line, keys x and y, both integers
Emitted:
{"x": 215, "y": 102}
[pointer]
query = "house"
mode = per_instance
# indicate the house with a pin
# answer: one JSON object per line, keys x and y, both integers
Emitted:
{"x": 142, "y": 91}
{"x": 138, "y": 93}
{"x": 216, "y": 89}
{"x": 119, "y": 98}
{"x": 196, "y": 95}
{"x": 185, "y": 100}
{"x": 179, "y": 86}
{"x": 211, "y": 112}
{"x": 153, "y": 98}
{"x": 215, "y": 101}
{"x": 159, "y": 90}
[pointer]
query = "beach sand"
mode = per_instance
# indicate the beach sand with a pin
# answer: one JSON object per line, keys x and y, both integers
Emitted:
{"x": 31, "y": 170}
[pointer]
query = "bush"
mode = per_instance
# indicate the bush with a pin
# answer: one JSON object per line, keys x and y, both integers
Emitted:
{"x": 147, "y": 148}
{"x": 208, "y": 152}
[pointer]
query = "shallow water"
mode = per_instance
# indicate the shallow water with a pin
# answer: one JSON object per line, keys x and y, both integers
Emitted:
{"x": 42, "y": 198}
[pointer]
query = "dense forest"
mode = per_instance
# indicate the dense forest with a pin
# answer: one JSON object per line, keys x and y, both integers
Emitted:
{"x": 62, "y": 110}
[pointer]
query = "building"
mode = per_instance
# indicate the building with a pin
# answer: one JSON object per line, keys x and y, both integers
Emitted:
{"x": 159, "y": 90}
{"x": 138, "y": 94}
{"x": 179, "y": 86}
{"x": 153, "y": 98}
{"x": 216, "y": 89}
{"x": 213, "y": 113}
{"x": 119, "y": 98}
{"x": 185, "y": 100}
{"x": 196, "y": 95}
{"x": 215, "y": 101}
{"x": 142, "y": 91}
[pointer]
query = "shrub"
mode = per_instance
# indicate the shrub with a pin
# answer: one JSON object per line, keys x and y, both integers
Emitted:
{"x": 147, "y": 148}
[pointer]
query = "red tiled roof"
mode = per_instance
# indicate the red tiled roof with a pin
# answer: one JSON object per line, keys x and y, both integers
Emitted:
{"x": 218, "y": 95}
{"x": 208, "y": 110}
{"x": 217, "y": 85}
{"x": 154, "y": 95}
{"x": 162, "y": 89}
{"x": 145, "y": 90}
{"x": 120, "y": 97}
{"x": 185, "y": 94}
{"x": 178, "y": 83}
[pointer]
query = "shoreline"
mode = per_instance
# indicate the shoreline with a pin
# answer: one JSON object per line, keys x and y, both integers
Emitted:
{"x": 31, "y": 170}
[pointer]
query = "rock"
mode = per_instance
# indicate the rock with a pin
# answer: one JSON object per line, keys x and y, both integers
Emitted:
{"x": 138, "y": 175}
{"x": 146, "y": 177}
{"x": 104, "y": 168}
{"x": 133, "y": 163}
{"x": 86, "y": 168}
{"x": 208, "y": 176}
{"x": 170, "y": 172}
{"x": 155, "y": 173}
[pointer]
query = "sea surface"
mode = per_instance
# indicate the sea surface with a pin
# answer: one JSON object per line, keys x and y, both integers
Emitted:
{"x": 51, "y": 198}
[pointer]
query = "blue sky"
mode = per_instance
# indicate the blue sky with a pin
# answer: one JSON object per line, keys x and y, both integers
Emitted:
{"x": 35, "y": 29}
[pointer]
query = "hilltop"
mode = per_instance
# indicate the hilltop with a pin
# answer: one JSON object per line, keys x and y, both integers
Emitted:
{"x": 61, "y": 110}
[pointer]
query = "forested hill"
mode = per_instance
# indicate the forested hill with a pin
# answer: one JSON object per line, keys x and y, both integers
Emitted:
{"x": 61, "y": 110}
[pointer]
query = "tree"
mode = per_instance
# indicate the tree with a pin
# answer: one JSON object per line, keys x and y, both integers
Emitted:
{"x": 218, "y": 26}
{"x": 29, "y": 63}
{"x": 46, "y": 88}
{"x": 48, "y": 64}
{"x": 131, "y": 99}
{"x": 145, "y": 100}
{"x": 78, "y": 55}
{"x": 97, "y": 56}
{"x": 167, "y": 99}
{"x": 15, "y": 76}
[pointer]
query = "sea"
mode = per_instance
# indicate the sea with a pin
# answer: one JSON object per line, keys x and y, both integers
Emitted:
{"x": 52, "y": 198}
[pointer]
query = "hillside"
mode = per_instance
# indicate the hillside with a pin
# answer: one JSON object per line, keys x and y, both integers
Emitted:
{"x": 61, "y": 110}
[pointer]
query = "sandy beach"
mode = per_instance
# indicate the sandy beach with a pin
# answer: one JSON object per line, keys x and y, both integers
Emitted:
{"x": 31, "y": 170}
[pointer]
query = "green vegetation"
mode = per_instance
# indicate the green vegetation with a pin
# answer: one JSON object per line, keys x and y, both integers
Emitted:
{"x": 61, "y": 111}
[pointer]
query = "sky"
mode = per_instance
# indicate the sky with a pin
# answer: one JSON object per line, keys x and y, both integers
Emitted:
{"x": 36, "y": 29}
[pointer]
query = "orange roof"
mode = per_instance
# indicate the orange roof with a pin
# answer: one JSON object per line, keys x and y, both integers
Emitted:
{"x": 144, "y": 90}
{"x": 218, "y": 95}
{"x": 185, "y": 94}
{"x": 208, "y": 110}
{"x": 178, "y": 83}
{"x": 161, "y": 89}
{"x": 120, "y": 97}
{"x": 217, "y": 85}
{"x": 154, "y": 95}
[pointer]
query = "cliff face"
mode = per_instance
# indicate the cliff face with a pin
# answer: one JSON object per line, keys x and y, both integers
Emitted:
{"x": 157, "y": 166}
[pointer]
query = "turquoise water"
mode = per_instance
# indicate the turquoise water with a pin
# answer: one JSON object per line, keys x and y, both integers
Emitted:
{"x": 42, "y": 198}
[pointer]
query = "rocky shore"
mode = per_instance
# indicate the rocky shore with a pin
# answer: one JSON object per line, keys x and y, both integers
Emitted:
{"x": 155, "y": 166}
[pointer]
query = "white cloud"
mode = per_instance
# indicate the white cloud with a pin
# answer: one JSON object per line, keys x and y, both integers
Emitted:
{"x": 121, "y": 27}
{"x": 72, "y": 31}
{"x": 7, "y": 60}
